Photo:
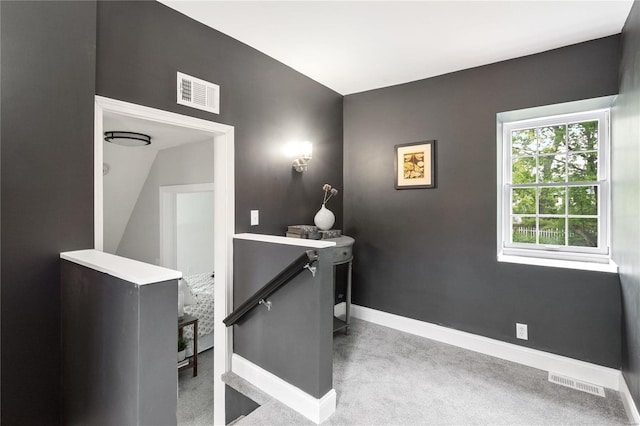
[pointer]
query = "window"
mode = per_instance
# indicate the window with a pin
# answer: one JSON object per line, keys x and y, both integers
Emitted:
{"x": 555, "y": 187}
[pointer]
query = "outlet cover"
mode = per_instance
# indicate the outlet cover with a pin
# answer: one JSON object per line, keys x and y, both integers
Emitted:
{"x": 521, "y": 331}
{"x": 255, "y": 217}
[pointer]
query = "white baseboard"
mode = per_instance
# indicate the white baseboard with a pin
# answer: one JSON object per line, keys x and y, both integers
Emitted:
{"x": 629, "y": 403}
{"x": 316, "y": 410}
{"x": 585, "y": 371}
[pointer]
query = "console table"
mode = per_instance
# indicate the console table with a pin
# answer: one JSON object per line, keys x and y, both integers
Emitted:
{"x": 343, "y": 253}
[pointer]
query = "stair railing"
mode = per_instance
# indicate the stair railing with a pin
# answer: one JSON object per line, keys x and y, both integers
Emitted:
{"x": 305, "y": 261}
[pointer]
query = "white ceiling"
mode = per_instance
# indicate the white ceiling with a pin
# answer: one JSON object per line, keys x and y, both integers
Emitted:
{"x": 163, "y": 136}
{"x": 353, "y": 46}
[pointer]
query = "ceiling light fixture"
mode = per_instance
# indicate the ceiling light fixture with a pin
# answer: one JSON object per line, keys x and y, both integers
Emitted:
{"x": 127, "y": 138}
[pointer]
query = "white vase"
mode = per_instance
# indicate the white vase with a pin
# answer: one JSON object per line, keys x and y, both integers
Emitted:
{"x": 181, "y": 355}
{"x": 324, "y": 219}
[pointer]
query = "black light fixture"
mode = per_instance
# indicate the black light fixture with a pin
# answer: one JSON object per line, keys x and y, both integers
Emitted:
{"x": 127, "y": 138}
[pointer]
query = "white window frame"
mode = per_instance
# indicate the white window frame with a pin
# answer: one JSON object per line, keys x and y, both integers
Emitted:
{"x": 590, "y": 258}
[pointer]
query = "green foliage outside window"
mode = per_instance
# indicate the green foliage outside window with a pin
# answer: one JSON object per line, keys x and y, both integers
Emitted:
{"x": 554, "y": 215}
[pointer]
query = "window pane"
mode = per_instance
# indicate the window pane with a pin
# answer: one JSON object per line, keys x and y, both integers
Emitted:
{"x": 583, "y": 136}
{"x": 551, "y": 139}
{"x": 524, "y": 170}
{"x": 583, "y": 232}
{"x": 583, "y": 167}
{"x": 524, "y": 229}
{"x": 552, "y": 201}
{"x": 552, "y": 168}
{"x": 583, "y": 200}
{"x": 552, "y": 231}
{"x": 523, "y": 142}
{"x": 523, "y": 200}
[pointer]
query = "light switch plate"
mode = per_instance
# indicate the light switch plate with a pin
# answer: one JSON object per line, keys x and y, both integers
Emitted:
{"x": 255, "y": 217}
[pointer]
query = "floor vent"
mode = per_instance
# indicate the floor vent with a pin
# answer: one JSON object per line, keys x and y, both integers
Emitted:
{"x": 199, "y": 94}
{"x": 576, "y": 384}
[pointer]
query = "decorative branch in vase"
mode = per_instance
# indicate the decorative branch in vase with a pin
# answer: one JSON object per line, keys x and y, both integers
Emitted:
{"x": 325, "y": 218}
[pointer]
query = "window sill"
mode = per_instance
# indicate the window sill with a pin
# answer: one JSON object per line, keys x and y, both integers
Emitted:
{"x": 610, "y": 267}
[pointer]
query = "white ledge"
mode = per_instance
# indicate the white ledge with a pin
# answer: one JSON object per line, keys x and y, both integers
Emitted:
{"x": 139, "y": 273}
{"x": 610, "y": 267}
{"x": 276, "y": 239}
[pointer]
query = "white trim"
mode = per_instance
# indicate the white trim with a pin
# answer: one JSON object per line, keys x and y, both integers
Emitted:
{"x": 585, "y": 371}
{"x": 139, "y": 273}
{"x": 153, "y": 114}
{"x": 316, "y": 410}
{"x": 558, "y": 109}
{"x": 224, "y": 199}
{"x": 98, "y": 188}
{"x": 276, "y": 239}
{"x": 628, "y": 402}
{"x": 223, "y": 163}
{"x": 610, "y": 266}
{"x": 535, "y": 117}
{"x": 189, "y": 187}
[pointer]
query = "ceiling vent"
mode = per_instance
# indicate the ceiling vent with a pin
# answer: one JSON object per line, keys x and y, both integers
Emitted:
{"x": 200, "y": 94}
{"x": 576, "y": 384}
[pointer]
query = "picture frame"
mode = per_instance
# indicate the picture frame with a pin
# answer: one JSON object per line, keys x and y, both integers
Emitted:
{"x": 415, "y": 166}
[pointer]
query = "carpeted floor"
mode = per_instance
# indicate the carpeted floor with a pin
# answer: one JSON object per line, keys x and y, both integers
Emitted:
{"x": 386, "y": 377}
{"x": 195, "y": 394}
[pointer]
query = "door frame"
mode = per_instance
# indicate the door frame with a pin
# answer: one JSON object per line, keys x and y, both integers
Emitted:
{"x": 224, "y": 221}
{"x": 168, "y": 203}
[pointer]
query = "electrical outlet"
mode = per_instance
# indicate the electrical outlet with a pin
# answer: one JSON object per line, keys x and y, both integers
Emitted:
{"x": 255, "y": 217}
{"x": 521, "y": 331}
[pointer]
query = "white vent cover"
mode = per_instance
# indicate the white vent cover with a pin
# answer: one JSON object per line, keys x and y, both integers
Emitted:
{"x": 199, "y": 94}
{"x": 576, "y": 384}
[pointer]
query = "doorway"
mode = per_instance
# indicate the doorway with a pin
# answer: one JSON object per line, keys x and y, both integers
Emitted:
{"x": 186, "y": 227}
{"x": 223, "y": 195}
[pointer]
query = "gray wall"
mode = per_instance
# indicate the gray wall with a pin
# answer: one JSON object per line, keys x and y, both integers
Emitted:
{"x": 141, "y": 45}
{"x": 430, "y": 254}
{"x": 186, "y": 164}
{"x": 157, "y": 346}
{"x": 236, "y": 405}
{"x": 625, "y": 155}
{"x": 48, "y": 75}
{"x": 294, "y": 340}
{"x": 118, "y": 349}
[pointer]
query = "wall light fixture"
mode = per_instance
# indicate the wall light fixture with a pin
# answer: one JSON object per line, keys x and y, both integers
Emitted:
{"x": 301, "y": 152}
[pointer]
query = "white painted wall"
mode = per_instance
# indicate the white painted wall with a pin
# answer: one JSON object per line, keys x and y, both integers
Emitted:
{"x": 194, "y": 233}
{"x": 129, "y": 168}
{"x": 187, "y": 164}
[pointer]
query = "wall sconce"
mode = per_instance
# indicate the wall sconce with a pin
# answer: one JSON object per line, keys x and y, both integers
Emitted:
{"x": 301, "y": 152}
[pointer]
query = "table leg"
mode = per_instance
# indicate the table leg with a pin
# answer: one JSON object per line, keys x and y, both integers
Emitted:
{"x": 348, "y": 301}
{"x": 195, "y": 349}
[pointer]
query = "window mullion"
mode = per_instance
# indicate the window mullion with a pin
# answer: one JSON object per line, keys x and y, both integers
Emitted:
{"x": 555, "y": 184}
{"x": 566, "y": 190}
{"x": 538, "y": 185}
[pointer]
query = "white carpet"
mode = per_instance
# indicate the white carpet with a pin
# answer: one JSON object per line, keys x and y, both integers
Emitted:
{"x": 195, "y": 394}
{"x": 386, "y": 377}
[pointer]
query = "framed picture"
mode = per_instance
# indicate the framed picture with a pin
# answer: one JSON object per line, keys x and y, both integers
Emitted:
{"x": 415, "y": 165}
